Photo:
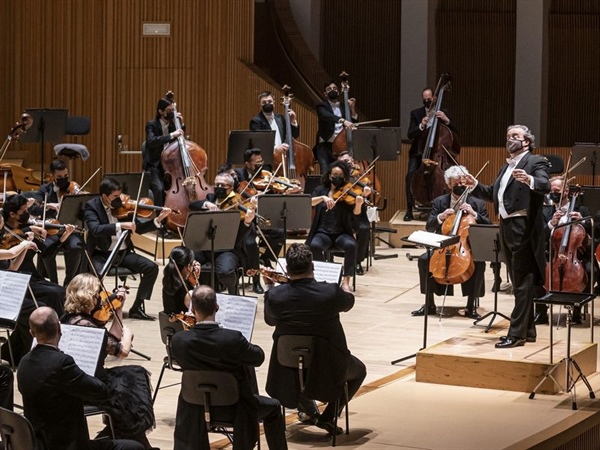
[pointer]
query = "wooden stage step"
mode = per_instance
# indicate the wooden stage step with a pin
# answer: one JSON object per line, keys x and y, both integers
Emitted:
{"x": 471, "y": 360}
{"x": 146, "y": 242}
{"x": 405, "y": 228}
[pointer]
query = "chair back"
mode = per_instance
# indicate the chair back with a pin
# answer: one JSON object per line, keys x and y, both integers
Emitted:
{"x": 209, "y": 387}
{"x": 77, "y": 125}
{"x": 16, "y": 431}
{"x": 557, "y": 164}
{"x": 167, "y": 330}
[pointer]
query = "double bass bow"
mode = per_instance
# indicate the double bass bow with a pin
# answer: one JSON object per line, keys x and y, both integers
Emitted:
{"x": 184, "y": 163}
{"x": 435, "y": 142}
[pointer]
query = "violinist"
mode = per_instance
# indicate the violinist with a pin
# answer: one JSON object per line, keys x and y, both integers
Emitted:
{"x": 332, "y": 121}
{"x": 159, "y": 133}
{"x": 362, "y": 224}
{"x": 53, "y": 192}
{"x": 180, "y": 277}
{"x": 104, "y": 231}
{"x": 131, "y": 400}
{"x": 226, "y": 262}
{"x": 442, "y": 208}
{"x": 333, "y": 223}
{"x": 518, "y": 195}
{"x": 418, "y": 123}
{"x": 267, "y": 120}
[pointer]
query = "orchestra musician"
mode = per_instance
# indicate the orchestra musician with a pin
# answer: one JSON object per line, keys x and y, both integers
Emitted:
{"x": 418, "y": 124}
{"x": 104, "y": 231}
{"x": 362, "y": 224}
{"x": 332, "y": 121}
{"x": 267, "y": 120}
{"x": 180, "y": 276}
{"x": 53, "y": 192}
{"x": 518, "y": 195}
{"x": 442, "y": 208}
{"x": 333, "y": 224}
{"x": 227, "y": 261}
{"x": 159, "y": 133}
{"x": 54, "y": 390}
{"x": 131, "y": 400}
{"x": 207, "y": 346}
{"x": 304, "y": 306}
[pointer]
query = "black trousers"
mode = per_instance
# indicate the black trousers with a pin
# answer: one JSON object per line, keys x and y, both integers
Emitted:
{"x": 355, "y": 375}
{"x": 363, "y": 234}
{"x": 7, "y": 388}
{"x": 147, "y": 269}
{"x": 324, "y": 155}
{"x": 157, "y": 185}
{"x": 252, "y": 248}
{"x": 226, "y": 264}
{"x": 414, "y": 162}
{"x": 72, "y": 251}
{"x": 322, "y": 242}
{"x": 20, "y": 338}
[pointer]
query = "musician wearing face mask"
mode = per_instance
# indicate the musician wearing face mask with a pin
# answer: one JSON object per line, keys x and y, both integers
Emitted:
{"x": 53, "y": 193}
{"x": 159, "y": 133}
{"x": 267, "y": 120}
{"x": 518, "y": 195}
{"x": 443, "y": 208}
{"x": 332, "y": 121}
{"x": 418, "y": 124}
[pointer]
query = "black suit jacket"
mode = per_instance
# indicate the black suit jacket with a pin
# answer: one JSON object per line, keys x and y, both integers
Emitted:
{"x": 261, "y": 123}
{"x": 155, "y": 142}
{"x": 209, "y": 347}
{"x": 414, "y": 132}
{"x": 327, "y": 119}
{"x": 54, "y": 389}
{"x": 100, "y": 230}
{"x": 306, "y": 307}
{"x": 442, "y": 203}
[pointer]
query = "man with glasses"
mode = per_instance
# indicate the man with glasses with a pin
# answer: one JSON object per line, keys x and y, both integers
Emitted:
{"x": 332, "y": 120}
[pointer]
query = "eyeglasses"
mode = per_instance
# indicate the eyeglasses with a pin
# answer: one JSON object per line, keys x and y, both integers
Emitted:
{"x": 223, "y": 185}
{"x": 329, "y": 89}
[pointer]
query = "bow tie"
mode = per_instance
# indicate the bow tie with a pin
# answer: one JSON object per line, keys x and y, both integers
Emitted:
{"x": 511, "y": 162}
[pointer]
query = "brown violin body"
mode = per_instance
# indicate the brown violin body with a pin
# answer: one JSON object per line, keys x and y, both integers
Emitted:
{"x": 372, "y": 180}
{"x": 454, "y": 264}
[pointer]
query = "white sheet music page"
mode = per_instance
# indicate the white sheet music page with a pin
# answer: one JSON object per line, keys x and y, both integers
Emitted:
{"x": 83, "y": 344}
{"x": 324, "y": 271}
{"x": 13, "y": 286}
{"x": 427, "y": 238}
{"x": 237, "y": 313}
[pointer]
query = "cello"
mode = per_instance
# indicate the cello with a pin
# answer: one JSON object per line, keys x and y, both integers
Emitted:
{"x": 428, "y": 181}
{"x": 184, "y": 163}
{"x": 299, "y": 160}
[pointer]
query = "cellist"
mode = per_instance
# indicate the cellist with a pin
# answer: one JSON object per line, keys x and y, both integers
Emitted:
{"x": 442, "y": 208}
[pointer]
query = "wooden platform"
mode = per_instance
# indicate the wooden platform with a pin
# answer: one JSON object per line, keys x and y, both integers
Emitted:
{"x": 146, "y": 243}
{"x": 471, "y": 360}
{"x": 404, "y": 228}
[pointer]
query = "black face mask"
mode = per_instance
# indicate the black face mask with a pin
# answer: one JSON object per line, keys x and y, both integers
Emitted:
{"x": 24, "y": 218}
{"x": 220, "y": 193}
{"x": 337, "y": 181}
{"x": 267, "y": 108}
{"x": 170, "y": 115}
{"x": 333, "y": 95}
{"x": 62, "y": 183}
{"x": 427, "y": 103}
{"x": 555, "y": 197}
{"x": 116, "y": 203}
{"x": 458, "y": 190}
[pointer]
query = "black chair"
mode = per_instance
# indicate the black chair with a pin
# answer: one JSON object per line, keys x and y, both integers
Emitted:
{"x": 212, "y": 388}
{"x": 76, "y": 126}
{"x": 298, "y": 352}
{"x": 16, "y": 431}
{"x": 89, "y": 411}
{"x": 167, "y": 331}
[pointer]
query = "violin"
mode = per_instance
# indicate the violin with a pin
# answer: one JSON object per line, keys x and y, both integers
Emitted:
{"x": 348, "y": 194}
{"x": 145, "y": 207}
{"x": 107, "y": 304}
{"x": 53, "y": 226}
{"x": 269, "y": 274}
{"x": 13, "y": 237}
{"x": 235, "y": 201}
{"x": 187, "y": 320}
{"x": 245, "y": 190}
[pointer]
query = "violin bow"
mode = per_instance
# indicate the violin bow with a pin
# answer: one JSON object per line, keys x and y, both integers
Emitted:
{"x": 89, "y": 179}
{"x": 262, "y": 235}
{"x": 44, "y": 211}
{"x": 564, "y": 179}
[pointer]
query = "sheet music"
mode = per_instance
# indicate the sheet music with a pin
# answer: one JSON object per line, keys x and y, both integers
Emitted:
{"x": 237, "y": 313}
{"x": 428, "y": 239}
{"x": 13, "y": 286}
{"x": 324, "y": 271}
{"x": 83, "y": 344}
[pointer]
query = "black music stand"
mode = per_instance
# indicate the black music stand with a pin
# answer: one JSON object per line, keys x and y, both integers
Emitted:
{"x": 590, "y": 198}
{"x": 49, "y": 124}
{"x": 431, "y": 241}
{"x": 485, "y": 245}
{"x": 287, "y": 212}
{"x": 241, "y": 140}
{"x": 71, "y": 209}
{"x": 130, "y": 182}
{"x": 591, "y": 152}
{"x": 211, "y": 231}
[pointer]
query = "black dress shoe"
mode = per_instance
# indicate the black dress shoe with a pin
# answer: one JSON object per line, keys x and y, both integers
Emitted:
{"x": 329, "y": 427}
{"x": 510, "y": 342}
{"x": 408, "y": 216}
{"x": 541, "y": 318}
{"x": 359, "y": 269}
{"x": 307, "y": 418}
{"x": 472, "y": 313}
{"x": 256, "y": 287}
{"x": 139, "y": 314}
{"x": 421, "y": 311}
{"x": 527, "y": 339}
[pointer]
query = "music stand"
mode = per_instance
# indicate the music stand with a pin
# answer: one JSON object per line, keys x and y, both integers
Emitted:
{"x": 211, "y": 231}
{"x": 130, "y": 182}
{"x": 71, "y": 208}
{"x": 485, "y": 245}
{"x": 590, "y": 198}
{"x": 285, "y": 212}
{"x": 241, "y": 140}
{"x": 49, "y": 124}
{"x": 431, "y": 241}
{"x": 591, "y": 152}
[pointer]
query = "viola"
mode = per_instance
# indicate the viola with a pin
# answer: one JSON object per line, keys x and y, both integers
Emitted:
{"x": 269, "y": 274}
{"x": 245, "y": 190}
{"x": 427, "y": 181}
{"x": 145, "y": 207}
{"x": 235, "y": 201}
{"x": 187, "y": 320}
{"x": 107, "y": 304}
{"x": 53, "y": 226}
{"x": 364, "y": 181}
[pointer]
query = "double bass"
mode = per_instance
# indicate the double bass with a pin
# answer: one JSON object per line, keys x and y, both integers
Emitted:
{"x": 299, "y": 160}
{"x": 184, "y": 163}
{"x": 435, "y": 143}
